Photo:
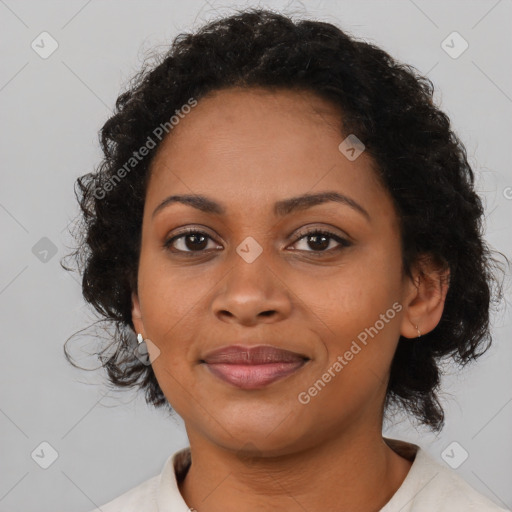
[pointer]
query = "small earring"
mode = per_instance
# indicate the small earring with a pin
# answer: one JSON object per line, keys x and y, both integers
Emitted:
{"x": 419, "y": 332}
{"x": 140, "y": 339}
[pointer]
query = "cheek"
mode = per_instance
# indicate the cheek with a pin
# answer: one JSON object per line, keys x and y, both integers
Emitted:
{"x": 350, "y": 296}
{"x": 168, "y": 292}
{"x": 356, "y": 313}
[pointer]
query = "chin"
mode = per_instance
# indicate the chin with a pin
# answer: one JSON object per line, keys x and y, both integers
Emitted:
{"x": 253, "y": 433}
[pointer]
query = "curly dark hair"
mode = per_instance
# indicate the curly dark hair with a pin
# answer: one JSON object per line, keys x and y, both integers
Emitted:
{"x": 418, "y": 159}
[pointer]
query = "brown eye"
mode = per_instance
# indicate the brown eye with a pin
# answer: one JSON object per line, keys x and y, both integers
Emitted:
{"x": 320, "y": 241}
{"x": 189, "y": 242}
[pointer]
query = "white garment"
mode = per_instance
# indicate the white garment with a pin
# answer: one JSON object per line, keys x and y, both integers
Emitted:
{"x": 428, "y": 487}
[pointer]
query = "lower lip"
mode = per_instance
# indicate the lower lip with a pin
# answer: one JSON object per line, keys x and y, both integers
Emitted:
{"x": 253, "y": 376}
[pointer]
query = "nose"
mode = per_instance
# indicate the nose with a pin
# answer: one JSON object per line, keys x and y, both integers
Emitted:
{"x": 252, "y": 293}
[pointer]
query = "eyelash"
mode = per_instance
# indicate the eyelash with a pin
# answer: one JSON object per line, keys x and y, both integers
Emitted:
{"x": 191, "y": 231}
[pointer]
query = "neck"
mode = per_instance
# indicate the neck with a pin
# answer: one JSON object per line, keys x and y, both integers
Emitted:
{"x": 357, "y": 473}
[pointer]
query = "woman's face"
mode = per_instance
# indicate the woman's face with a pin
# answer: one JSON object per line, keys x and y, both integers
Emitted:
{"x": 258, "y": 279}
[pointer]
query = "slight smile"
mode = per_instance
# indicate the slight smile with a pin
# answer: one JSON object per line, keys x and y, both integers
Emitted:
{"x": 253, "y": 367}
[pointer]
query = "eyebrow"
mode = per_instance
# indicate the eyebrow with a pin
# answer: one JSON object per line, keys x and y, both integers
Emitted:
{"x": 281, "y": 208}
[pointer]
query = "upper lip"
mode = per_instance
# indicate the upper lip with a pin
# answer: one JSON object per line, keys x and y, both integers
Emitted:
{"x": 259, "y": 354}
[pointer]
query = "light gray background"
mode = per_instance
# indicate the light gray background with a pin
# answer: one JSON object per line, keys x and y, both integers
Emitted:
{"x": 51, "y": 111}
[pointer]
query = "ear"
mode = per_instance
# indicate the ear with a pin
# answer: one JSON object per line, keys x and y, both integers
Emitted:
{"x": 137, "y": 315}
{"x": 425, "y": 296}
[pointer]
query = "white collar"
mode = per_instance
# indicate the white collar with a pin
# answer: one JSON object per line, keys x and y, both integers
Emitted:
{"x": 428, "y": 485}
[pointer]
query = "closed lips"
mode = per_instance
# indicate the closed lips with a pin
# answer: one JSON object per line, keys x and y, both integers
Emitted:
{"x": 252, "y": 368}
{"x": 262, "y": 354}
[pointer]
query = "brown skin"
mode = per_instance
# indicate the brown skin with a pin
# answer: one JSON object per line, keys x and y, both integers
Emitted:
{"x": 262, "y": 449}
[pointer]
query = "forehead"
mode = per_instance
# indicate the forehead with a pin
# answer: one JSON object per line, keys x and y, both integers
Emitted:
{"x": 234, "y": 120}
{"x": 254, "y": 145}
